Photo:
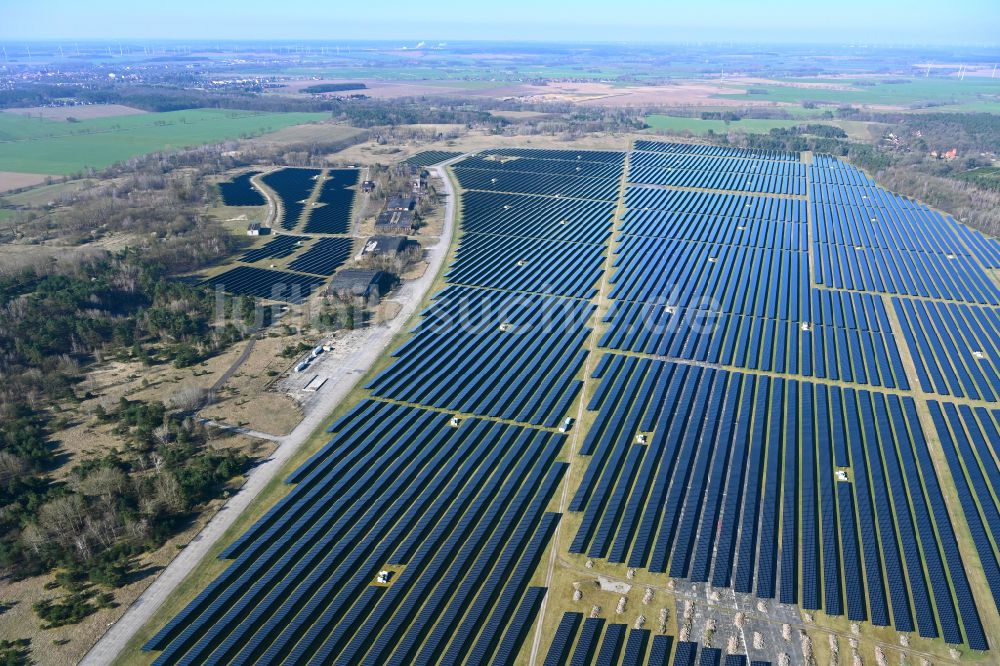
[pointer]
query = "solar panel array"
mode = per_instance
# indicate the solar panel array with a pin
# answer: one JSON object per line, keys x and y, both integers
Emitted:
{"x": 457, "y": 513}
{"x": 324, "y": 257}
{"x": 819, "y": 494}
{"x": 507, "y": 338}
{"x": 331, "y": 215}
{"x": 582, "y": 175}
{"x": 510, "y": 355}
{"x": 266, "y": 283}
{"x": 241, "y": 192}
{"x": 292, "y": 186}
{"x": 733, "y": 459}
{"x": 784, "y": 353}
{"x": 334, "y": 203}
{"x": 970, "y": 439}
{"x": 431, "y": 157}
{"x": 279, "y": 247}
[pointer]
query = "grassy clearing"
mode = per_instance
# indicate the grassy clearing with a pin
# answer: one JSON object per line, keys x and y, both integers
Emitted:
{"x": 43, "y": 146}
{"x": 45, "y": 194}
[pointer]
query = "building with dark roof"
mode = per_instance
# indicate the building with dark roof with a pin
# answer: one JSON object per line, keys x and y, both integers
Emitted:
{"x": 386, "y": 245}
{"x": 399, "y": 202}
{"x": 363, "y": 283}
{"x": 394, "y": 222}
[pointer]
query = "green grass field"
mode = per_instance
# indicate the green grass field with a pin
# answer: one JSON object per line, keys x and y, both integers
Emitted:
{"x": 33, "y": 145}
{"x": 979, "y": 94}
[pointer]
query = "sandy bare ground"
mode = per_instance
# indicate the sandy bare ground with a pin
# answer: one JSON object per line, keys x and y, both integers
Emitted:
{"x": 13, "y": 180}
{"x": 142, "y": 609}
{"x": 471, "y": 141}
{"x": 82, "y": 112}
{"x": 687, "y": 93}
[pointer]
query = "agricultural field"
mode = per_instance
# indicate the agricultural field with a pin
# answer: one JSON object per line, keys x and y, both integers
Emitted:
{"x": 78, "y": 112}
{"x": 973, "y": 93}
{"x": 672, "y": 405}
{"x": 43, "y": 146}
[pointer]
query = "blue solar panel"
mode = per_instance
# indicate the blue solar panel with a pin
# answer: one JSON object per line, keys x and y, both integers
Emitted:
{"x": 562, "y": 641}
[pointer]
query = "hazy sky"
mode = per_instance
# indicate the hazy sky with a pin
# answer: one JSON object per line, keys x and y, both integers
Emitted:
{"x": 844, "y": 21}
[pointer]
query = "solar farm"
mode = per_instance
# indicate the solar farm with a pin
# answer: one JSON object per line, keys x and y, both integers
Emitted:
{"x": 314, "y": 208}
{"x": 669, "y": 403}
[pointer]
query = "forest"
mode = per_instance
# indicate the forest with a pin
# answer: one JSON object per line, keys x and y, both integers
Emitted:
{"x": 60, "y": 318}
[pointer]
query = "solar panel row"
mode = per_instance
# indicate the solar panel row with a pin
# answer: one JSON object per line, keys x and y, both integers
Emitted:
{"x": 509, "y": 355}
{"x": 542, "y": 166}
{"x": 280, "y": 246}
{"x": 716, "y": 151}
{"x": 957, "y": 347}
{"x": 760, "y": 183}
{"x": 756, "y": 343}
{"x": 740, "y": 206}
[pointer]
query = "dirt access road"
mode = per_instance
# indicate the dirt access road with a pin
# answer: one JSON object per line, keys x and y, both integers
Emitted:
{"x": 355, "y": 365}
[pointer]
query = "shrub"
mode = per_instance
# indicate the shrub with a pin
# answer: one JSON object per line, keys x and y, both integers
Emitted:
{"x": 70, "y": 610}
